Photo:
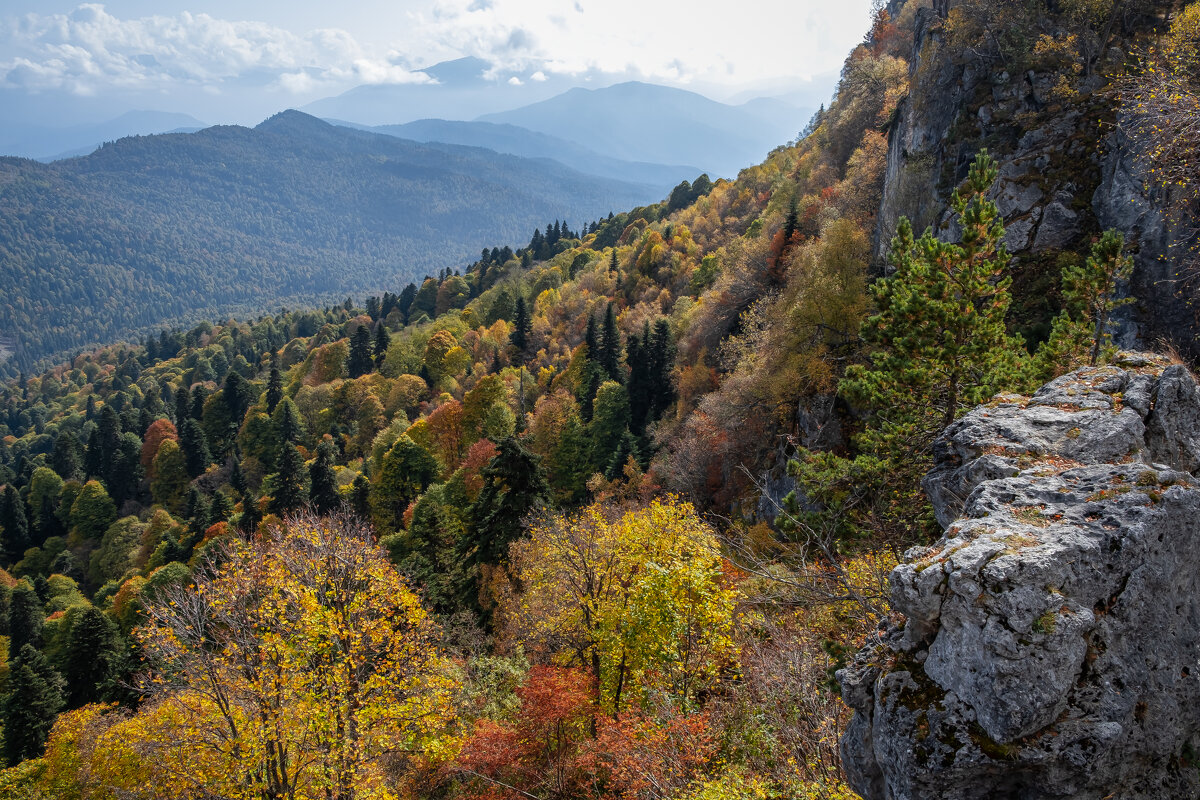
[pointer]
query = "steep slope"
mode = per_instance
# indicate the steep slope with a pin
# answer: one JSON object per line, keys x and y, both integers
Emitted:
{"x": 1042, "y": 99}
{"x": 155, "y": 230}
{"x": 641, "y": 122}
{"x": 1051, "y": 634}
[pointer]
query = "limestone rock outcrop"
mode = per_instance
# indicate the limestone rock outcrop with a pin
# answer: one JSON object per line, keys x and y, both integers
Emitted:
{"x": 1050, "y": 646}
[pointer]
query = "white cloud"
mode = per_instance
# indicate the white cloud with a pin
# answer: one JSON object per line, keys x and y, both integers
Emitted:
{"x": 670, "y": 40}
{"x": 90, "y": 50}
{"x": 515, "y": 81}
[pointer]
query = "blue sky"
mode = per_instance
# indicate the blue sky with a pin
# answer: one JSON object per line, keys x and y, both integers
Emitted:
{"x": 227, "y": 61}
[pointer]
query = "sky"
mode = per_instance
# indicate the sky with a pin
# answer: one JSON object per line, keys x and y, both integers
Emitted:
{"x": 227, "y": 61}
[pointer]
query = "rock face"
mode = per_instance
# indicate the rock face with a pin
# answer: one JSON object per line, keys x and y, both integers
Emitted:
{"x": 1064, "y": 175}
{"x": 1051, "y": 643}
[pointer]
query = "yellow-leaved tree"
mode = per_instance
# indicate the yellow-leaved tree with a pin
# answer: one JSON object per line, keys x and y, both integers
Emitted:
{"x": 637, "y": 597}
{"x": 300, "y": 665}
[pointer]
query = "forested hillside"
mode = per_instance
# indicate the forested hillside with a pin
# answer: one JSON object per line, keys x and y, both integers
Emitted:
{"x": 598, "y": 517}
{"x": 171, "y": 229}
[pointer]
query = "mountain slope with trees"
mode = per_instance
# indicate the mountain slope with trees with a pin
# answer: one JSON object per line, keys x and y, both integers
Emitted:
{"x": 647, "y": 479}
{"x": 181, "y": 227}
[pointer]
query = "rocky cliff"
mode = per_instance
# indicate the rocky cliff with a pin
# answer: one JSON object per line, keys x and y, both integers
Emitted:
{"x": 1050, "y": 642}
{"x": 1066, "y": 170}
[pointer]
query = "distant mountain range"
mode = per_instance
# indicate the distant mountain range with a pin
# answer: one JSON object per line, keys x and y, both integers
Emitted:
{"x": 519, "y": 141}
{"x": 165, "y": 229}
{"x": 628, "y": 131}
{"x": 644, "y": 122}
{"x": 48, "y": 143}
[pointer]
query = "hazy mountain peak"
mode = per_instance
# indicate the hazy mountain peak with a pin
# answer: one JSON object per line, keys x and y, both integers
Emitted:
{"x": 459, "y": 72}
{"x": 292, "y": 121}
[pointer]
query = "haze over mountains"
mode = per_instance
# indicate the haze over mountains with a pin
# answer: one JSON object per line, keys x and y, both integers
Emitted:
{"x": 159, "y": 230}
{"x": 296, "y": 210}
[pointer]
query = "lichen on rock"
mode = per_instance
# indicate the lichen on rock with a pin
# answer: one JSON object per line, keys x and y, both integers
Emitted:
{"x": 1051, "y": 639}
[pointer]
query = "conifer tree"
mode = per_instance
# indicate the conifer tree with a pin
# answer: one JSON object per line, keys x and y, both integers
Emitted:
{"x": 514, "y": 484}
{"x": 221, "y": 508}
{"x": 199, "y": 395}
{"x": 626, "y": 449}
{"x": 289, "y": 493}
{"x": 91, "y": 657}
{"x": 522, "y": 327}
{"x": 183, "y": 405}
{"x": 324, "y": 492}
{"x": 610, "y": 422}
{"x": 383, "y": 340}
{"x": 608, "y": 355}
{"x": 194, "y": 445}
{"x": 65, "y": 458}
{"x": 237, "y": 395}
{"x": 638, "y": 360}
{"x": 14, "y": 524}
{"x": 274, "y": 387}
{"x": 25, "y": 618}
{"x": 589, "y": 336}
{"x": 286, "y": 421}
{"x": 361, "y": 360}
{"x": 93, "y": 456}
{"x": 662, "y": 361}
{"x": 34, "y": 698}
{"x": 360, "y": 497}
{"x": 237, "y": 478}
{"x": 938, "y": 344}
{"x": 567, "y": 464}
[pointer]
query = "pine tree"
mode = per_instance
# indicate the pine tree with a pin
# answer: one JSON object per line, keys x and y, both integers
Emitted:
{"x": 638, "y": 360}
{"x": 324, "y": 492}
{"x": 221, "y": 509}
{"x": 199, "y": 395}
{"x": 289, "y": 493}
{"x": 237, "y": 478}
{"x": 522, "y": 327}
{"x": 14, "y": 524}
{"x": 662, "y": 363}
{"x": 626, "y": 449}
{"x": 360, "y": 361}
{"x": 65, "y": 458}
{"x": 938, "y": 344}
{"x": 183, "y": 405}
{"x": 34, "y": 698}
{"x": 610, "y": 422}
{"x": 126, "y": 471}
{"x": 360, "y": 497}
{"x": 25, "y": 618}
{"x": 589, "y": 336}
{"x": 608, "y": 355}
{"x": 514, "y": 484}
{"x": 274, "y": 387}
{"x": 93, "y": 456}
{"x": 237, "y": 395}
{"x": 91, "y": 657}
{"x": 194, "y": 444}
{"x": 383, "y": 340}
{"x": 286, "y": 421}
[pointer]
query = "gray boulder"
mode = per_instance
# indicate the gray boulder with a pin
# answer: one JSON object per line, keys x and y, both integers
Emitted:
{"x": 1051, "y": 639}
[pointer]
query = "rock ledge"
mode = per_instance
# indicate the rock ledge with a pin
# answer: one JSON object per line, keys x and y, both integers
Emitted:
{"x": 1051, "y": 644}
